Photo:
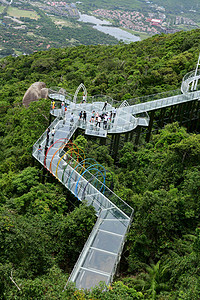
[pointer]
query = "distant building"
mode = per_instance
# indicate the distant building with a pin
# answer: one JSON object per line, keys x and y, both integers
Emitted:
{"x": 156, "y": 21}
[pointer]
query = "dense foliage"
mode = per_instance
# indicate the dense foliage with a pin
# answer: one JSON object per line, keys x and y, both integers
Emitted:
{"x": 43, "y": 228}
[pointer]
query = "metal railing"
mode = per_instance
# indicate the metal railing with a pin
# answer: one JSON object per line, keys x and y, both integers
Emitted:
{"x": 107, "y": 199}
{"x": 191, "y": 77}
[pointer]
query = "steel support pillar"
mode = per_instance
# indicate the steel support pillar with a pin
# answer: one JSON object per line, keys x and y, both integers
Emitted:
{"x": 198, "y": 117}
{"x": 126, "y": 137}
{"x": 148, "y": 135}
{"x": 173, "y": 109}
{"x": 111, "y": 144}
{"x": 162, "y": 116}
{"x": 131, "y": 135}
{"x": 137, "y": 138}
{"x": 116, "y": 146}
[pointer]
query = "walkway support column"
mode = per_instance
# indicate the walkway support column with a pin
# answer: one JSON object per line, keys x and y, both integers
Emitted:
{"x": 148, "y": 135}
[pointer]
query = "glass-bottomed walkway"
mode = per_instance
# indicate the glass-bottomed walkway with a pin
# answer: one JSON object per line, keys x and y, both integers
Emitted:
{"x": 101, "y": 253}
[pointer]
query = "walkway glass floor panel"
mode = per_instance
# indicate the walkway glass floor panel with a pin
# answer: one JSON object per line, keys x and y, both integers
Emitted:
{"x": 113, "y": 214}
{"x": 115, "y": 226}
{"x": 107, "y": 241}
{"x": 100, "y": 260}
{"x": 87, "y": 279}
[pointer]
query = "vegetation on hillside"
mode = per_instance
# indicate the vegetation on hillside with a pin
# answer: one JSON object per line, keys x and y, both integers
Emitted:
{"x": 27, "y": 29}
{"x": 43, "y": 228}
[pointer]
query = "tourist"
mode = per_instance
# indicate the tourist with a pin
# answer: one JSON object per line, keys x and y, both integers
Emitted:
{"x": 45, "y": 150}
{"x": 39, "y": 151}
{"x": 72, "y": 118}
{"x": 84, "y": 98}
{"x": 105, "y": 121}
{"x": 80, "y": 115}
{"x": 105, "y": 105}
{"x": 93, "y": 116}
{"x": 63, "y": 107}
{"x": 53, "y": 132}
{"x": 114, "y": 112}
{"x": 98, "y": 121}
{"x": 84, "y": 116}
{"x": 96, "y": 116}
{"x": 48, "y": 132}
{"x": 53, "y": 106}
{"x": 111, "y": 113}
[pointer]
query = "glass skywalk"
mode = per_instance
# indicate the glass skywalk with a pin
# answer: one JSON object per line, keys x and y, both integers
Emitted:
{"x": 101, "y": 253}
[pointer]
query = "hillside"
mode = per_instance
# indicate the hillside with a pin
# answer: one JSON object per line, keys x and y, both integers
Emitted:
{"x": 170, "y": 5}
{"x": 43, "y": 228}
{"x": 31, "y": 27}
{"x": 40, "y": 25}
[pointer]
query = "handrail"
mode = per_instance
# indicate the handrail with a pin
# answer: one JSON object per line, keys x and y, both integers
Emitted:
{"x": 109, "y": 194}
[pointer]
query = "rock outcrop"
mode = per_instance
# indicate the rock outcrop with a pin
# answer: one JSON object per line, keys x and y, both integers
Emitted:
{"x": 35, "y": 92}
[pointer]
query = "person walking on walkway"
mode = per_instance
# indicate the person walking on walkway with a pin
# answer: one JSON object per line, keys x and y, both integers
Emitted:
{"x": 63, "y": 108}
{"x": 45, "y": 150}
{"x": 39, "y": 151}
{"x": 105, "y": 105}
{"x": 53, "y": 132}
{"x": 84, "y": 98}
{"x": 53, "y": 105}
{"x": 52, "y": 135}
{"x": 105, "y": 121}
{"x": 96, "y": 116}
{"x": 80, "y": 115}
{"x": 114, "y": 112}
{"x": 98, "y": 121}
{"x": 111, "y": 113}
{"x": 93, "y": 116}
{"x": 48, "y": 132}
{"x": 84, "y": 116}
{"x": 72, "y": 118}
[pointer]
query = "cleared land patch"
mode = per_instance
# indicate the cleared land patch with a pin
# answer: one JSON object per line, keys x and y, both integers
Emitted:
{"x": 65, "y": 23}
{"x": 1, "y": 8}
{"x": 15, "y": 12}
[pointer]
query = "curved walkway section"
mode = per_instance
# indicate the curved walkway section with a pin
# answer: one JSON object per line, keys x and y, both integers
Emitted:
{"x": 190, "y": 81}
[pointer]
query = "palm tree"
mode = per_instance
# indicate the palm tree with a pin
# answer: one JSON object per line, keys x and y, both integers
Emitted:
{"x": 151, "y": 281}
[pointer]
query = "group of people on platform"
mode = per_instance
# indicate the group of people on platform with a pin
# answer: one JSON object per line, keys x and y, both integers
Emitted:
{"x": 63, "y": 107}
{"x": 97, "y": 118}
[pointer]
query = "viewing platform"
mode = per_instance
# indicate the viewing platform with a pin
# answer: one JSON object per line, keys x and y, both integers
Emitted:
{"x": 123, "y": 121}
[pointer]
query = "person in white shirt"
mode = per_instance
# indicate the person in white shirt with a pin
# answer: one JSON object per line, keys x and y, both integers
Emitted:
{"x": 84, "y": 98}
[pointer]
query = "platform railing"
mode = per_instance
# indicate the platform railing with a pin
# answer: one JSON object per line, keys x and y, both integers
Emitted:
{"x": 86, "y": 249}
{"x": 165, "y": 102}
{"x": 144, "y": 99}
{"x": 112, "y": 198}
{"x": 191, "y": 77}
{"x": 44, "y": 135}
